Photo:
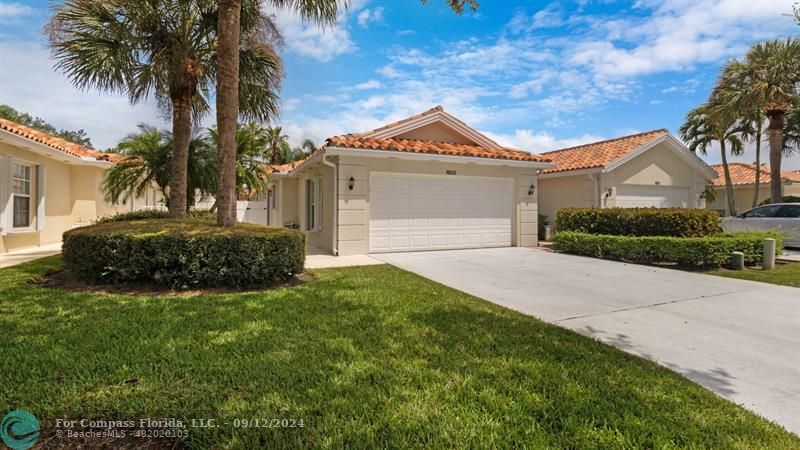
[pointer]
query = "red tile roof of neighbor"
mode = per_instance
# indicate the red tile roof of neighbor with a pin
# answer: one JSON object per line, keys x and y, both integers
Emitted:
{"x": 742, "y": 174}
{"x": 599, "y": 154}
{"x": 61, "y": 145}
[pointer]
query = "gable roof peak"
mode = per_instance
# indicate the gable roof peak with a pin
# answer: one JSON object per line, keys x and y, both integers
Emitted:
{"x": 605, "y": 141}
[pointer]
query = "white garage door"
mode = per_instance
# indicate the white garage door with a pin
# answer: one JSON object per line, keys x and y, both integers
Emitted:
{"x": 629, "y": 196}
{"x": 426, "y": 212}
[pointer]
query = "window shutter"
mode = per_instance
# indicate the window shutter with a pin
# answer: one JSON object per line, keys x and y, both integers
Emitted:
{"x": 40, "y": 187}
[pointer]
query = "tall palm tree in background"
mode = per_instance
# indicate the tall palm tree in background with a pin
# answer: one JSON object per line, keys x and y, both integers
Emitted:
{"x": 306, "y": 148}
{"x": 752, "y": 130}
{"x": 168, "y": 49}
{"x": 765, "y": 80}
{"x": 252, "y": 151}
{"x": 278, "y": 148}
{"x": 147, "y": 163}
{"x": 701, "y": 129}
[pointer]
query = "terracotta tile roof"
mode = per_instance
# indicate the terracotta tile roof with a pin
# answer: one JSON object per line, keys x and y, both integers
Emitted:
{"x": 432, "y": 147}
{"x": 282, "y": 168}
{"x": 56, "y": 143}
{"x": 599, "y": 154}
{"x": 742, "y": 174}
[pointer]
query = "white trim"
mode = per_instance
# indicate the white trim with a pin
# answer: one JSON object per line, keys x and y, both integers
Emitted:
{"x": 434, "y": 157}
{"x": 437, "y": 116}
{"x": 41, "y": 149}
{"x": 677, "y": 147}
{"x": 570, "y": 173}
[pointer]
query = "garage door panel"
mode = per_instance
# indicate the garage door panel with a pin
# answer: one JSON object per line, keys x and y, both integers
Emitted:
{"x": 415, "y": 212}
{"x": 634, "y": 196}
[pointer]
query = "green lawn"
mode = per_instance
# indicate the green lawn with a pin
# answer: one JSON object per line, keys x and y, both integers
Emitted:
{"x": 366, "y": 357}
{"x": 786, "y": 274}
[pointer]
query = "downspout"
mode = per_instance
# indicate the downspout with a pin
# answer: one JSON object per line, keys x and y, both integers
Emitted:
{"x": 335, "y": 168}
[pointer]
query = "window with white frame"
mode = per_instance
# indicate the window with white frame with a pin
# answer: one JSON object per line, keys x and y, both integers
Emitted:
{"x": 21, "y": 195}
{"x": 314, "y": 204}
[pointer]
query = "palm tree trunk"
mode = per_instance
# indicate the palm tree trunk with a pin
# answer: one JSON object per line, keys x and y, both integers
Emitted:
{"x": 728, "y": 182}
{"x": 775, "y": 135}
{"x": 179, "y": 164}
{"x": 758, "y": 164}
{"x": 227, "y": 108}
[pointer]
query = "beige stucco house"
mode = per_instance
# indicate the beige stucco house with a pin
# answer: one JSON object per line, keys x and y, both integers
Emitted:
{"x": 47, "y": 186}
{"x": 426, "y": 182}
{"x": 650, "y": 169}
{"x": 743, "y": 178}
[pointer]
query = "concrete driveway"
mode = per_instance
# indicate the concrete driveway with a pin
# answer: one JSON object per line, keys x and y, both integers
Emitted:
{"x": 740, "y": 339}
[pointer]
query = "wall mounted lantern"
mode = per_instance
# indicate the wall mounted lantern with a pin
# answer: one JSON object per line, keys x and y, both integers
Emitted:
{"x": 351, "y": 183}
{"x": 703, "y": 195}
{"x": 531, "y": 190}
{"x": 609, "y": 192}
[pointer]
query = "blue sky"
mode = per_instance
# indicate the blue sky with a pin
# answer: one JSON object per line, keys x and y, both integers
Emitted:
{"x": 535, "y": 75}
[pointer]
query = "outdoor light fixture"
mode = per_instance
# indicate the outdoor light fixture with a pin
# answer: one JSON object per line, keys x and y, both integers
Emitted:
{"x": 351, "y": 183}
{"x": 609, "y": 192}
{"x": 531, "y": 190}
{"x": 702, "y": 195}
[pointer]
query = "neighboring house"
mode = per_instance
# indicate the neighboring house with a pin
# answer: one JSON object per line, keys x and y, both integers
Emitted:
{"x": 426, "y": 182}
{"x": 47, "y": 186}
{"x": 743, "y": 178}
{"x": 650, "y": 169}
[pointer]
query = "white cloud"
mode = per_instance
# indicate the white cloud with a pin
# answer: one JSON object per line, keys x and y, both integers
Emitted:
{"x": 389, "y": 71}
{"x": 29, "y": 83}
{"x": 406, "y": 32}
{"x": 368, "y": 16}
{"x": 551, "y": 16}
{"x": 314, "y": 41}
{"x": 371, "y": 84}
{"x": 14, "y": 10}
{"x": 538, "y": 142}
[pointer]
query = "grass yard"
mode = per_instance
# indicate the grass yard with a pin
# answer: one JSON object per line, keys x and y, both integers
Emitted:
{"x": 366, "y": 357}
{"x": 786, "y": 274}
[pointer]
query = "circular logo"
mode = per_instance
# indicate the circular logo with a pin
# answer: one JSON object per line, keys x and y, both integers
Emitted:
{"x": 20, "y": 430}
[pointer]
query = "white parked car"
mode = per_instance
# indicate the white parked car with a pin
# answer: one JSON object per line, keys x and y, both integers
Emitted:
{"x": 781, "y": 217}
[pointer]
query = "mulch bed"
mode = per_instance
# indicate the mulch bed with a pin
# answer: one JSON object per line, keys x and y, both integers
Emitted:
{"x": 62, "y": 279}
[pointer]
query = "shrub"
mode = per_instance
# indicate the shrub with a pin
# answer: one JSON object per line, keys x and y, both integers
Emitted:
{"x": 676, "y": 222}
{"x": 182, "y": 254}
{"x": 144, "y": 214}
{"x": 708, "y": 251}
{"x": 786, "y": 199}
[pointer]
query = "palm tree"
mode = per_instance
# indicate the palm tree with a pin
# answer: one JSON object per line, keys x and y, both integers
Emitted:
{"x": 231, "y": 32}
{"x": 251, "y": 153}
{"x": 148, "y": 155}
{"x": 168, "y": 49}
{"x": 752, "y": 130}
{"x": 278, "y": 148}
{"x": 306, "y": 148}
{"x": 765, "y": 80}
{"x": 701, "y": 129}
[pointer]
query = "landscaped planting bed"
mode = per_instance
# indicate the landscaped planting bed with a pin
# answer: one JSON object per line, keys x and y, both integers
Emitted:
{"x": 183, "y": 254}
{"x": 697, "y": 252}
{"x": 675, "y": 222}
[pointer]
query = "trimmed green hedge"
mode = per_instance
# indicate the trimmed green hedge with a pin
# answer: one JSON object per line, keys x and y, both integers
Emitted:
{"x": 709, "y": 251}
{"x": 183, "y": 254}
{"x": 676, "y": 222}
{"x": 144, "y": 214}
